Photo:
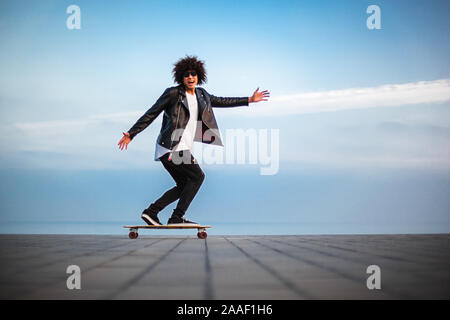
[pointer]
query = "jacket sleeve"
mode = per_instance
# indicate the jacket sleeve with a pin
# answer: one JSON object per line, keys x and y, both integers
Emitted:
{"x": 220, "y": 102}
{"x": 151, "y": 114}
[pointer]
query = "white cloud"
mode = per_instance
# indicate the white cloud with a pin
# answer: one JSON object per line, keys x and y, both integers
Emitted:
{"x": 300, "y": 103}
{"x": 389, "y": 95}
{"x": 120, "y": 117}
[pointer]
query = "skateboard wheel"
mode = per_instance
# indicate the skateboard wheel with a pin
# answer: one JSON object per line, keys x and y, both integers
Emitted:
{"x": 202, "y": 235}
{"x": 133, "y": 235}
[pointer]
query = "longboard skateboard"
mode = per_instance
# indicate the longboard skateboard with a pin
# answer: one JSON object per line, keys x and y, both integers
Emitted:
{"x": 201, "y": 234}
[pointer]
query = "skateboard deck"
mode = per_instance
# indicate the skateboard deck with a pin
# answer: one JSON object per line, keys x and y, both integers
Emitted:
{"x": 201, "y": 234}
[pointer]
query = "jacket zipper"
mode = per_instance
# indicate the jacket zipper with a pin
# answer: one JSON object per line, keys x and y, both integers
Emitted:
{"x": 176, "y": 127}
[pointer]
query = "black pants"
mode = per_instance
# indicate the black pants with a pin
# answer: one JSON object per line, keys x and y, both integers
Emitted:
{"x": 188, "y": 177}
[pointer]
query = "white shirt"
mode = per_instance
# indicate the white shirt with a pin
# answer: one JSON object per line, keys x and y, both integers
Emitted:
{"x": 187, "y": 138}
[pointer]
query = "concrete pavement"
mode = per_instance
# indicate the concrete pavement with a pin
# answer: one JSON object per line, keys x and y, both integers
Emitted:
{"x": 225, "y": 267}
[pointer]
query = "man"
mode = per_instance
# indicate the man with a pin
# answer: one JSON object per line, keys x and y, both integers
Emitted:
{"x": 188, "y": 117}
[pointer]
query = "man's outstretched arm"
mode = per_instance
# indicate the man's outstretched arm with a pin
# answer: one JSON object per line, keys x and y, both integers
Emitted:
{"x": 151, "y": 114}
{"x": 145, "y": 120}
{"x": 257, "y": 96}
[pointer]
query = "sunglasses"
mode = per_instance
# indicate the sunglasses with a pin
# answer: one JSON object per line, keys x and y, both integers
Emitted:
{"x": 192, "y": 73}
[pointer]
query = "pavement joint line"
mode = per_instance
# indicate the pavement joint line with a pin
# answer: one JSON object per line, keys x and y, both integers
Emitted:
{"x": 384, "y": 246}
{"x": 120, "y": 256}
{"x": 343, "y": 242}
{"x": 393, "y": 258}
{"x": 352, "y": 250}
{"x": 19, "y": 270}
{"x": 209, "y": 290}
{"x": 337, "y": 256}
{"x": 63, "y": 277}
{"x": 288, "y": 284}
{"x": 311, "y": 262}
{"x": 147, "y": 270}
{"x": 361, "y": 280}
{"x": 355, "y": 259}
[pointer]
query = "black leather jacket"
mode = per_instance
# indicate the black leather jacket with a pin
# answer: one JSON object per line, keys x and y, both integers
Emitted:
{"x": 176, "y": 115}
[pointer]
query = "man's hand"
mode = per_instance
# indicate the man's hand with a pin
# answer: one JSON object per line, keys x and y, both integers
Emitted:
{"x": 124, "y": 141}
{"x": 259, "y": 96}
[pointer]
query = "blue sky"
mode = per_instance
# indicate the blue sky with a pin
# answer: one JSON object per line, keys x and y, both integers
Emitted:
{"x": 363, "y": 114}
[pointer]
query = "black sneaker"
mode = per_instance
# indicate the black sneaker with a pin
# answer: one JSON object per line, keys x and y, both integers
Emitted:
{"x": 180, "y": 222}
{"x": 151, "y": 218}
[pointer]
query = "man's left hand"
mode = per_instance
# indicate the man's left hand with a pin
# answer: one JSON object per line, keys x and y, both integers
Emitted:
{"x": 259, "y": 96}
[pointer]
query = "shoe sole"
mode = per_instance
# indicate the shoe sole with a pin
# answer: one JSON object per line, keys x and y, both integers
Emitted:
{"x": 183, "y": 224}
{"x": 149, "y": 220}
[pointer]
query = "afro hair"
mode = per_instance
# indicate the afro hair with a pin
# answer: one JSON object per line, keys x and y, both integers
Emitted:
{"x": 189, "y": 63}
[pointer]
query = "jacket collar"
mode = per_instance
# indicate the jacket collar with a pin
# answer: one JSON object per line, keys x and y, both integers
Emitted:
{"x": 182, "y": 90}
{"x": 182, "y": 93}
{"x": 199, "y": 95}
